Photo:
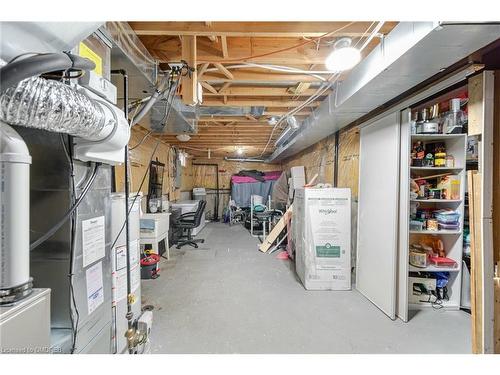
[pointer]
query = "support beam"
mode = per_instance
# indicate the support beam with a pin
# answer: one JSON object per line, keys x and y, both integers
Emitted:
{"x": 223, "y": 41}
{"x": 224, "y": 87}
{"x": 258, "y": 77}
{"x": 252, "y": 103}
{"x": 202, "y": 70}
{"x": 265, "y": 91}
{"x": 255, "y": 29}
{"x": 189, "y": 83}
{"x": 209, "y": 87}
{"x": 224, "y": 70}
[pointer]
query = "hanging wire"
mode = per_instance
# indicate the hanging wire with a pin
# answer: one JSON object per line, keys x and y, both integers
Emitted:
{"x": 322, "y": 89}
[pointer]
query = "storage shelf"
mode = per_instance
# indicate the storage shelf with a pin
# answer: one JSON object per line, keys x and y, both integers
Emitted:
{"x": 436, "y": 137}
{"x": 447, "y": 305}
{"x": 436, "y": 200}
{"x": 436, "y": 168}
{"x": 434, "y": 269}
{"x": 435, "y": 231}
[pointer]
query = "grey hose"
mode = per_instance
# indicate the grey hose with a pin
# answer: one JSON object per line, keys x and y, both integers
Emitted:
{"x": 16, "y": 71}
{"x": 68, "y": 214}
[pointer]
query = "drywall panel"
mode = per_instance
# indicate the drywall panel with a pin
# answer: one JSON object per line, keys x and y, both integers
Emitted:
{"x": 378, "y": 212}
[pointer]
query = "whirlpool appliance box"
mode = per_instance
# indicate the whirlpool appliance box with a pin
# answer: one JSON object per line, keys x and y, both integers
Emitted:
{"x": 322, "y": 237}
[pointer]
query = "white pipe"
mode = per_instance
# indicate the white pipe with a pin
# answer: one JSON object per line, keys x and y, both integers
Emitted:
{"x": 250, "y": 160}
{"x": 15, "y": 163}
{"x": 278, "y": 68}
{"x": 372, "y": 35}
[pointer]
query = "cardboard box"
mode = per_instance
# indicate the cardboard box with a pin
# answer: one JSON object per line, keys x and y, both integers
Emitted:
{"x": 450, "y": 186}
{"x": 322, "y": 238}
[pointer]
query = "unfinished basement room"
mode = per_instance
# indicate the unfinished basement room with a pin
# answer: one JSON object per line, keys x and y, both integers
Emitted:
{"x": 170, "y": 185}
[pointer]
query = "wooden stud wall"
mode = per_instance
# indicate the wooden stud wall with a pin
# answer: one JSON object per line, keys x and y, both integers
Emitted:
{"x": 139, "y": 162}
{"x": 204, "y": 176}
{"x": 320, "y": 158}
{"x": 348, "y": 174}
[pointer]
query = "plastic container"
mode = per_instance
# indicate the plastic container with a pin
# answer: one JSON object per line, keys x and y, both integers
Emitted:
{"x": 449, "y": 226}
{"x": 149, "y": 269}
{"x": 447, "y": 217}
{"x": 416, "y": 225}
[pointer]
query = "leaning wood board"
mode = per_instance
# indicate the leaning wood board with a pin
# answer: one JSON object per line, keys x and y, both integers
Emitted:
{"x": 474, "y": 189}
{"x": 278, "y": 228}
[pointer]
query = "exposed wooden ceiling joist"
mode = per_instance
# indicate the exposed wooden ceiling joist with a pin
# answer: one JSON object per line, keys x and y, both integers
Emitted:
{"x": 260, "y": 91}
{"x": 256, "y": 50}
{"x": 255, "y": 103}
{"x": 222, "y": 45}
{"x": 258, "y": 78}
{"x": 250, "y": 29}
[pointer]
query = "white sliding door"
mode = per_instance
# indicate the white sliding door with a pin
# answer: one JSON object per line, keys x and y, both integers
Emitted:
{"x": 378, "y": 212}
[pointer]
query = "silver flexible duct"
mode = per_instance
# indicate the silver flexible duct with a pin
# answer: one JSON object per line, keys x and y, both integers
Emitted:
{"x": 52, "y": 106}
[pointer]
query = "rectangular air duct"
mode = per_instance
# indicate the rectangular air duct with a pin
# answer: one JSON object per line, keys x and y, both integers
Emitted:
{"x": 410, "y": 54}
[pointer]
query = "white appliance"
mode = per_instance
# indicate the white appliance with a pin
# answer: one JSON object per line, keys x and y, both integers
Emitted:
{"x": 25, "y": 325}
{"x": 199, "y": 194}
{"x": 119, "y": 268}
{"x": 191, "y": 206}
{"x": 321, "y": 232}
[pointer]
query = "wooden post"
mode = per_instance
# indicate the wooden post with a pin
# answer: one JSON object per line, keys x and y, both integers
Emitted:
{"x": 481, "y": 196}
{"x": 496, "y": 208}
{"x": 476, "y": 275}
{"x": 189, "y": 89}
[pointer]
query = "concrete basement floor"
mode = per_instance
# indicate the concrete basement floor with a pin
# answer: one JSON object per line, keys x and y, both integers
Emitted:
{"x": 227, "y": 297}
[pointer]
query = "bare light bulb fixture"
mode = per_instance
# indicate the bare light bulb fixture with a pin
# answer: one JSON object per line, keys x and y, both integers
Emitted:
{"x": 272, "y": 120}
{"x": 239, "y": 150}
{"x": 343, "y": 56}
{"x": 183, "y": 137}
{"x": 292, "y": 122}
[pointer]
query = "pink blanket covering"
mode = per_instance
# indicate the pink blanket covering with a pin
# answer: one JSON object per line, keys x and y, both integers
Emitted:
{"x": 274, "y": 175}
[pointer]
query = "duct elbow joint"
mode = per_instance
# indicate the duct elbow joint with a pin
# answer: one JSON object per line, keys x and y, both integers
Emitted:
{"x": 107, "y": 147}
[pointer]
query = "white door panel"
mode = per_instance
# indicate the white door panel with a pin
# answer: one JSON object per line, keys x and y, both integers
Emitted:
{"x": 378, "y": 212}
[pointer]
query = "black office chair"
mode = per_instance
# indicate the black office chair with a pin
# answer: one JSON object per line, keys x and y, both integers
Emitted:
{"x": 188, "y": 222}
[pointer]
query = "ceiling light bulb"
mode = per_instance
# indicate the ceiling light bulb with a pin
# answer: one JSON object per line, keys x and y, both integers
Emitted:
{"x": 239, "y": 151}
{"x": 183, "y": 137}
{"x": 292, "y": 122}
{"x": 272, "y": 120}
{"x": 343, "y": 57}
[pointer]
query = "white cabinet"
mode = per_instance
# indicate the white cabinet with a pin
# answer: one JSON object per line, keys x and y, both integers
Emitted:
{"x": 384, "y": 275}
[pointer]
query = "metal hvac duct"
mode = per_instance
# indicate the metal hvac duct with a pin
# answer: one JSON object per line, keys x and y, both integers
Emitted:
{"x": 130, "y": 54}
{"x": 411, "y": 53}
{"x": 17, "y": 38}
